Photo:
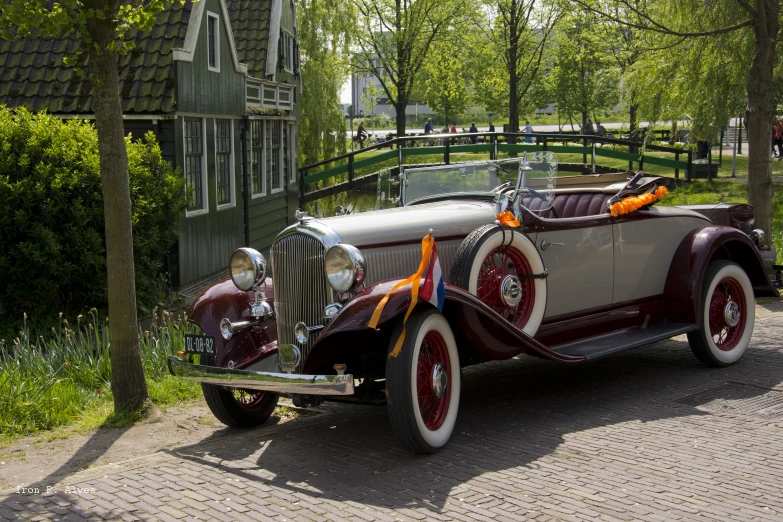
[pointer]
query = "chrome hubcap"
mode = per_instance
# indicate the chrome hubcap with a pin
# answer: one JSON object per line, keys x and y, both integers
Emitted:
{"x": 731, "y": 314}
{"x": 440, "y": 380}
{"x": 511, "y": 291}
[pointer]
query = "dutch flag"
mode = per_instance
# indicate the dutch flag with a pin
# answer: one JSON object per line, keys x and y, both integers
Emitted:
{"x": 433, "y": 290}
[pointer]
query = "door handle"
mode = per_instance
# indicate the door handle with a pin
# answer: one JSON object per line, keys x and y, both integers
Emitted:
{"x": 546, "y": 244}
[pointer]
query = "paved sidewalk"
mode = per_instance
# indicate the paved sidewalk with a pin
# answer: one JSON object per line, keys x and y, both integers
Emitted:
{"x": 647, "y": 435}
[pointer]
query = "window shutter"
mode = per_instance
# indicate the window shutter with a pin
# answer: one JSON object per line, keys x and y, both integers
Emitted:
{"x": 296, "y": 57}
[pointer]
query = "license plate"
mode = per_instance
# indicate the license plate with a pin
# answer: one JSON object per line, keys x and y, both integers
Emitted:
{"x": 199, "y": 344}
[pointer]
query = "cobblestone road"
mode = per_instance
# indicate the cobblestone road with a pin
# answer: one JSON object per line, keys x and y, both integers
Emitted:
{"x": 649, "y": 435}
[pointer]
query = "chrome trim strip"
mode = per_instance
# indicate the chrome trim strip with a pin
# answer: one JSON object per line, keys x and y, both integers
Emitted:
{"x": 263, "y": 381}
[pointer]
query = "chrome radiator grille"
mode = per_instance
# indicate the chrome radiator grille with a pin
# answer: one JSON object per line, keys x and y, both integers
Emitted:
{"x": 300, "y": 286}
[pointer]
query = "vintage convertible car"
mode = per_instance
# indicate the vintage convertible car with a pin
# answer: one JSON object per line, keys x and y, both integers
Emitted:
{"x": 572, "y": 269}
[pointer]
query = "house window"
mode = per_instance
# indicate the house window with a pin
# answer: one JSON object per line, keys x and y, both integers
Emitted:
{"x": 287, "y": 50}
{"x": 286, "y": 151}
{"x": 224, "y": 170}
{"x": 257, "y": 180}
{"x": 213, "y": 44}
{"x": 194, "y": 164}
{"x": 272, "y": 152}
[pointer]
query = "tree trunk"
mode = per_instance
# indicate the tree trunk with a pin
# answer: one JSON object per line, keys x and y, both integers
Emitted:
{"x": 399, "y": 107}
{"x": 632, "y": 116}
{"x": 761, "y": 112}
{"x": 127, "y": 377}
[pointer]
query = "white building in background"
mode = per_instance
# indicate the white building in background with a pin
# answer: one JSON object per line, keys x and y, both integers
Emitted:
{"x": 360, "y": 83}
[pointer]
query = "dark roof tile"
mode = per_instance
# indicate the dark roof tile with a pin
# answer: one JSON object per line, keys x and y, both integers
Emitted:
{"x": 32, "y": 72}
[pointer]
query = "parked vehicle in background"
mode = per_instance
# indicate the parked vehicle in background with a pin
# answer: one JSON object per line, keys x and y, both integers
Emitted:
{"x": 571, "y": 269}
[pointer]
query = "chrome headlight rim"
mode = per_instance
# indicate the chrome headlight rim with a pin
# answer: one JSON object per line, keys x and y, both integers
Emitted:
{"x": 345, "y": 267}
{"x": 248, "y": 268}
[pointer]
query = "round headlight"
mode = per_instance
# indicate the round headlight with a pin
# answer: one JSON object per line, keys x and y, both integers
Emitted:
{"x": 248, "y": 268}
{"x": 345, "y": 267}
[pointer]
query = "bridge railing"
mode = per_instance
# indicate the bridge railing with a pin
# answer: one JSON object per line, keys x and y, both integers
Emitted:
{"x": 349, "y": 169}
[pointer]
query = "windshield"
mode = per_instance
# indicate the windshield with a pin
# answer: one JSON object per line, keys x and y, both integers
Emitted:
{"x": 536, "y": 171}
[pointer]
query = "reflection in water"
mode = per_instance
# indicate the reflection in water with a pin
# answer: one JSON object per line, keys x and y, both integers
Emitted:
{"x": 373, "y": 196}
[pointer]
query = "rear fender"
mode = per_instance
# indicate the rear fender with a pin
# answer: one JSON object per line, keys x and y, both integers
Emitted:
{"x": 684, "y": 282}
{"x": 476, "y": 327}
{"x": 225, "y": 300}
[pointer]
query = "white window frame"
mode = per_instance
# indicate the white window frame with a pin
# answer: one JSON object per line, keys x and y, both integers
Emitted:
{"x": 288, "y": 50}
{"x": 292, "y": 150}
{"x": 231, "y": 161}
{"x": 278, "y": 123}
{"x": 210, "y": 16}
{"x": 261, "y": 160}
{"x": 205, "y": 196}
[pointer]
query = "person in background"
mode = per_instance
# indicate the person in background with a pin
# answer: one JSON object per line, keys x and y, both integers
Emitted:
{"x": 778, "y": 133}
{"x": 528, "y": 130}
{"x": 453, "y": 129}
{"x": 491, "y": 127}
{"x": 428, "y": 126}
{"x": 473, "y": 129}
{"x": 362, "y": 133}
{"x": 600, "y": 129}
{"x": 588, "y": 128}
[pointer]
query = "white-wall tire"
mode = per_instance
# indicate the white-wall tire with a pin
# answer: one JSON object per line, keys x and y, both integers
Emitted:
{"x": 423, "y": 424}
{"x": 472, "y": 272}
{"x": 717, "y": 343}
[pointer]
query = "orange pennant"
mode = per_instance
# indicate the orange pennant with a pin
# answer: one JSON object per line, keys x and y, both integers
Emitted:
{"x": 414, "y": 281}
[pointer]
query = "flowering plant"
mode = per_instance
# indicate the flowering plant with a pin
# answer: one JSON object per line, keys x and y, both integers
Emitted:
{"x": 634, "y": 203}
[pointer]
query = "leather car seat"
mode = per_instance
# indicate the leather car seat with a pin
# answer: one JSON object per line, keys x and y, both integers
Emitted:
{"x": 570, "y": 205}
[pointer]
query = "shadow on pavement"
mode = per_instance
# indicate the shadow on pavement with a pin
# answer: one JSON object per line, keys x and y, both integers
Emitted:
{"x": 512, "y": 413}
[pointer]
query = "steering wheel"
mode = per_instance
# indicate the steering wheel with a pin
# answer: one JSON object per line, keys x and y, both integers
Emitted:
{"x": 540, "y": 196}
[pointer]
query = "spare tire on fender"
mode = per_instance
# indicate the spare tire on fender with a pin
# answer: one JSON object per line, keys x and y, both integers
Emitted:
{"x": 502, "y": 268}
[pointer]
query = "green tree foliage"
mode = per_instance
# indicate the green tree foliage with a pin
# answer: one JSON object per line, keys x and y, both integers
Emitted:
{"x": 325, "y": 34}
{"x": 394, "y": 39}
{"x": 741, "y": 35}
{"x": 508, "y": 55}
{"x": 446, "y": 78}
{"x": 53, "y": 253}
{"x": 584, "y": 78}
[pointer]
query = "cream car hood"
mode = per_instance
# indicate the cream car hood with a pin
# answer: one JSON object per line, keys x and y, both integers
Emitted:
{"x": 445, "y": 218}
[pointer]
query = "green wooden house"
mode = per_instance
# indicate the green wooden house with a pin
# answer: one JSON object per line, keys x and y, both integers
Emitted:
{"x": 218, "y": 82}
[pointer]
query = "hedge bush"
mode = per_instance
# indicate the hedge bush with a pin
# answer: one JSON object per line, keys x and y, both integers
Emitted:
{"x": 52, "y": 248}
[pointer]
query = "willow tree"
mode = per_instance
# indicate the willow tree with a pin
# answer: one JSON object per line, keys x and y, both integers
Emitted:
{"x": 99, "y": 27}
{"x": 325, "y": 32}
{"x": 393, "y": 41}
{"x": 509, "y": 56}
{"x": 685, "y": 20}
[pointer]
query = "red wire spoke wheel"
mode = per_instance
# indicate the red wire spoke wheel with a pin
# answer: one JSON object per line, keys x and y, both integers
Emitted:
{"x": 235, "y": 407}
{"x": 249, "y": 398}
{"x": 433, "y": 377}
{"x": 494, "y": 273}
{"x": 495, "y": 265}
{"x": 423, "y": 382}
{"x": 727, "y": 312}
{"x": 726, "y": 309}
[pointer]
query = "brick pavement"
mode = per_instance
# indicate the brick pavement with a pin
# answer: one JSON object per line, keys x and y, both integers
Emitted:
{"x": 647, "y": 435}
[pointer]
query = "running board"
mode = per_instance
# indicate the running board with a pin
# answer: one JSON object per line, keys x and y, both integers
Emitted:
{"x": 593, "y": 349}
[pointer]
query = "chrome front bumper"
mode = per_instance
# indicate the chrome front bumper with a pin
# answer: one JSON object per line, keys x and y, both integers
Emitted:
{"x": 264, "y": 381}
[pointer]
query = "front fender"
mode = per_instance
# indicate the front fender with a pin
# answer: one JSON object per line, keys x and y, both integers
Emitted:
{"x": 224, "y": 299}
{"x": 475, "y": 325}
{"x": 684, "y": 282}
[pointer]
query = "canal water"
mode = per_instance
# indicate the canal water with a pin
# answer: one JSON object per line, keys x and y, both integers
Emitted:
{"x": 373, "y": 196}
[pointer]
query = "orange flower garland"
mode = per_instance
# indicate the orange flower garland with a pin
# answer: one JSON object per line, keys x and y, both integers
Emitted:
{"x": 634, "y": 203}
{"x": 507, "y": 218}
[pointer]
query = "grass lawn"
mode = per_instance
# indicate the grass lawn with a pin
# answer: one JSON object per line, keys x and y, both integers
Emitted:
{"x": 64, "y": 378}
